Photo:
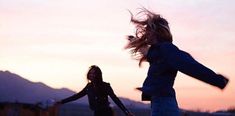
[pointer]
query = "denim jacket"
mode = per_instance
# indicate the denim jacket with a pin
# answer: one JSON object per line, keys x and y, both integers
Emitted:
{"x": 165, "y": 61}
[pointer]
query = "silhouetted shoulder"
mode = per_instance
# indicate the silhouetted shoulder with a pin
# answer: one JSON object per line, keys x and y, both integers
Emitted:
{"x": 108, "y": 88}
{"x": 168, "y": 47}
{"x": 88, "y": 86}
{"x": 106, "y": 84}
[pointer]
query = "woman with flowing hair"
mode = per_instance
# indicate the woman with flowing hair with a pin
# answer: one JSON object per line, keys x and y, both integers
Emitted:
{"x": 153, "y": 43}
{"x": 98, "y": 91}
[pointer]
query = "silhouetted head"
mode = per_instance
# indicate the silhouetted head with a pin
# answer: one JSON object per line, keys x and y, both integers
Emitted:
{"x": 94, "y": 74}
{"x": 150, "y": 29}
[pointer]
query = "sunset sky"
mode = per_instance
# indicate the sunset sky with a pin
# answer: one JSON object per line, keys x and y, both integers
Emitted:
{"x": 55, "y": 41}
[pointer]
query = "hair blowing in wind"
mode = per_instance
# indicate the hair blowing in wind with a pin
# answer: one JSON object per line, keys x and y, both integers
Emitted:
{"x": 149, "y": 28}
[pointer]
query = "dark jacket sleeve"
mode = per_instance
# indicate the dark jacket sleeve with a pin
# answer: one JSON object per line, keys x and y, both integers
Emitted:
{"x": 75, "y": 96}
{"x": 186, "y": 64}
{"x": 116, "y": 99}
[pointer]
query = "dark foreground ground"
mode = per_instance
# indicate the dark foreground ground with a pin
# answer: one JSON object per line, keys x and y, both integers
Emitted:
{"x": 82, "y": 110}
{"x": 22, "y": 109}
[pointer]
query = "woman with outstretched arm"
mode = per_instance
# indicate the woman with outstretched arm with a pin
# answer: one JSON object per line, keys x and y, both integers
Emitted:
{"x": 152, "y": 42}
{"x": 98, "y": 91}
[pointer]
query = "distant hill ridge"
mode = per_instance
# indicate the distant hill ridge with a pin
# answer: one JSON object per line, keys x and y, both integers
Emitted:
{"x": 14, "y": 88}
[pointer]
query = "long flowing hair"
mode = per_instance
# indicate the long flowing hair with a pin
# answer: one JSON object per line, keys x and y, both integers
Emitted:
{"x": 98, "y": 74}
{"x": 151, "y": 29}
{"x": 98, "y": 80}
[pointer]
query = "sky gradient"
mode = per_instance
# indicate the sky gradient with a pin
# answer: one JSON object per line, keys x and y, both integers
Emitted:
{"x": 55, "y": 41}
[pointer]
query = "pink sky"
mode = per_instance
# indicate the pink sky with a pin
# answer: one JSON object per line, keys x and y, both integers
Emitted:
{"x": 55, "y": 42}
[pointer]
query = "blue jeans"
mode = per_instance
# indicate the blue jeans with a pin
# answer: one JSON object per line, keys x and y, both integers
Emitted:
{"x": 164, "y": 106}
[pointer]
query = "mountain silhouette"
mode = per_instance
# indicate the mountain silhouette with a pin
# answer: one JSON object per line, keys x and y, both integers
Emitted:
{"x": 14, "y": 88}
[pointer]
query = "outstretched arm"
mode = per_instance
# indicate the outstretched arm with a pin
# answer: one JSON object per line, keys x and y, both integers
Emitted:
{"x": 185, "y": 63}
{"x": 75, "y": 96}
{"x": 117, "y": 101}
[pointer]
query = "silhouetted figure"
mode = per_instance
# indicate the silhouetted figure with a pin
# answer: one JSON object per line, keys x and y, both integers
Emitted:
{"x": 98, "y": 91}
{"x": 153, "y": 43}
